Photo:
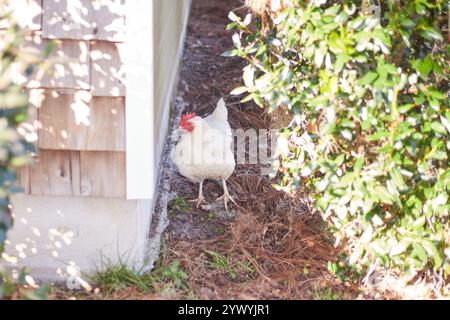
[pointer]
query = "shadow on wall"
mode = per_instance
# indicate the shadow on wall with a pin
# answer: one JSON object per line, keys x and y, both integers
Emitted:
{"x": 85, "y": 65}
{"x": 66, "y": 238}
{"x": 77, "y": 123}
{"x": 88, "y": 36}
{"x": 77, "y": 104}
{"x": 42, "y": 244}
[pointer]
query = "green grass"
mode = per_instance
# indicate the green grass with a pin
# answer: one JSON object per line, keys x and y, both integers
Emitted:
{"x": 223, "y": 264}
{"x": 114, "y": 277}
{"x": 178, "y": 204}
{"x": 175, "y": 274}
{"x": 325, "y": 294}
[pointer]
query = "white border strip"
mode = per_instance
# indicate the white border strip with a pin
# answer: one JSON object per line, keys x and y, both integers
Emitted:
{"x": 140, "y": 148}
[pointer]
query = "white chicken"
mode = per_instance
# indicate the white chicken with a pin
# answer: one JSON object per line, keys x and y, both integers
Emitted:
{"x": 204, "y": 150}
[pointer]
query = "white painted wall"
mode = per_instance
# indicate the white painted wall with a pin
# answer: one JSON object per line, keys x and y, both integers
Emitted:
{"x": 170, "y": 21}
{"x": 51, "y": 234}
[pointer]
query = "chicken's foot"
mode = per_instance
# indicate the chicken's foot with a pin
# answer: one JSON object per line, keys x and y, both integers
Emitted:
{"x": 226, "y": 196}
{"x": 200, "y": 199}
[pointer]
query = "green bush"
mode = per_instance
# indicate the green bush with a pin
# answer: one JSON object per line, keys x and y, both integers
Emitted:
{"x": 368, "y": 93}
{"x": 14, "y": 150}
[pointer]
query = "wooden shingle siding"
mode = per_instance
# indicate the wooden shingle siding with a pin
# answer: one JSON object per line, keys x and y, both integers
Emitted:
{"x": 29, "y": 128}
{"x": 75, "y": 173}
{"x": 56, "y": 173}
{"x": 84, "y": 19}
{"x": 70, "y": 65}
{"x": 81, "y": 122}
{"x": 23, "y": 179}
{"x": 27, "y": 13}
{"x": 77, "y": 108}
{"x": 107, "y": 69}
{"x": 103, "y": 174}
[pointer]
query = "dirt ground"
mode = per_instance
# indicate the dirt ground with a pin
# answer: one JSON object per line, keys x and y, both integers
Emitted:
{"x": 269, "y": 247}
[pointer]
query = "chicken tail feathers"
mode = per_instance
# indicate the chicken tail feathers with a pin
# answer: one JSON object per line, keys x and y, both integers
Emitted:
{"x": 221, "y": 112}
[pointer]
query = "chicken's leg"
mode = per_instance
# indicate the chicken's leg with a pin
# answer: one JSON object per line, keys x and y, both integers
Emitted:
{"x": 200, "y": 198}
{"x": 226, "y": 196}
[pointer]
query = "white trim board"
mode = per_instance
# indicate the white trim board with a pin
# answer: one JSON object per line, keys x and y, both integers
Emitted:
{"x": 140, "y": 149}
{"x": 141, "y": 169}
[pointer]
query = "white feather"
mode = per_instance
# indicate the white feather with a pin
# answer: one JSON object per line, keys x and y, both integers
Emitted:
{"x": 205, "y": 153}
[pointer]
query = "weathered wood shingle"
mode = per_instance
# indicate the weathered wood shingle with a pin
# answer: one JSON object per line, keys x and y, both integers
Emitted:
{"x": 77, "y": 107}
{"x": 56, "y": 173}
{"x": 81, "y": 122}
{"x": 69, "y": 64}
{"x": 107, "y": 69}
{"x": 103, "y": 174}
{"x": 84, "y": 20}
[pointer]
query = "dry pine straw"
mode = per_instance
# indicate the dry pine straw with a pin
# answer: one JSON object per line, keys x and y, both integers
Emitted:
{"x": 274, "y": 244}
{"x": 283, "y": 246}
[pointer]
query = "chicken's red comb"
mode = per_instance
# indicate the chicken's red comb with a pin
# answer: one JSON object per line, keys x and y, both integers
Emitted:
{"x": 184, "y": 121}
{"x": 187, "y": 117}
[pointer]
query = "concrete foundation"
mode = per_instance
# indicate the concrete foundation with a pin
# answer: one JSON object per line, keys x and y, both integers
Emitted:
{"x": 62, "y": 238}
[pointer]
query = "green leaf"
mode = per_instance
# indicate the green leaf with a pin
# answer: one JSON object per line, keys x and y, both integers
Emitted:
{"x": 419, "y": 250}
{"x": 439, "y": 155}
{"x": 231, "y": 53}
{"x": 438, "y": 127}
{"x": 319, "y": 56}
{"x": 261, "y": 50}
{"x": 238, "y": 91}
{"x": 369, "y": 78}
{"x": 432, "y": 34}
{"x": 389, "y": 68}
{"x": 398, "y": 179}
{"x": 436, "y": 94}
{"x": 405, "y": 108}
{"x": 433, "y": 252}
{"x": 378, "y": 136}
{"x": 249, "y": 76}
{"x": 247, "y": 98}
{"x": 424, "y": 67}
{"x": 248, "y": 19}
{"x": 407, "y": 22}
{"x": 236, "y": 40}
{"x": 383, "y": 194}
{"x": 341, "y": 60}
{"x": 399, "y": 248}
{"x": 22, "y": 275}
{"x": 233, "y": 17}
